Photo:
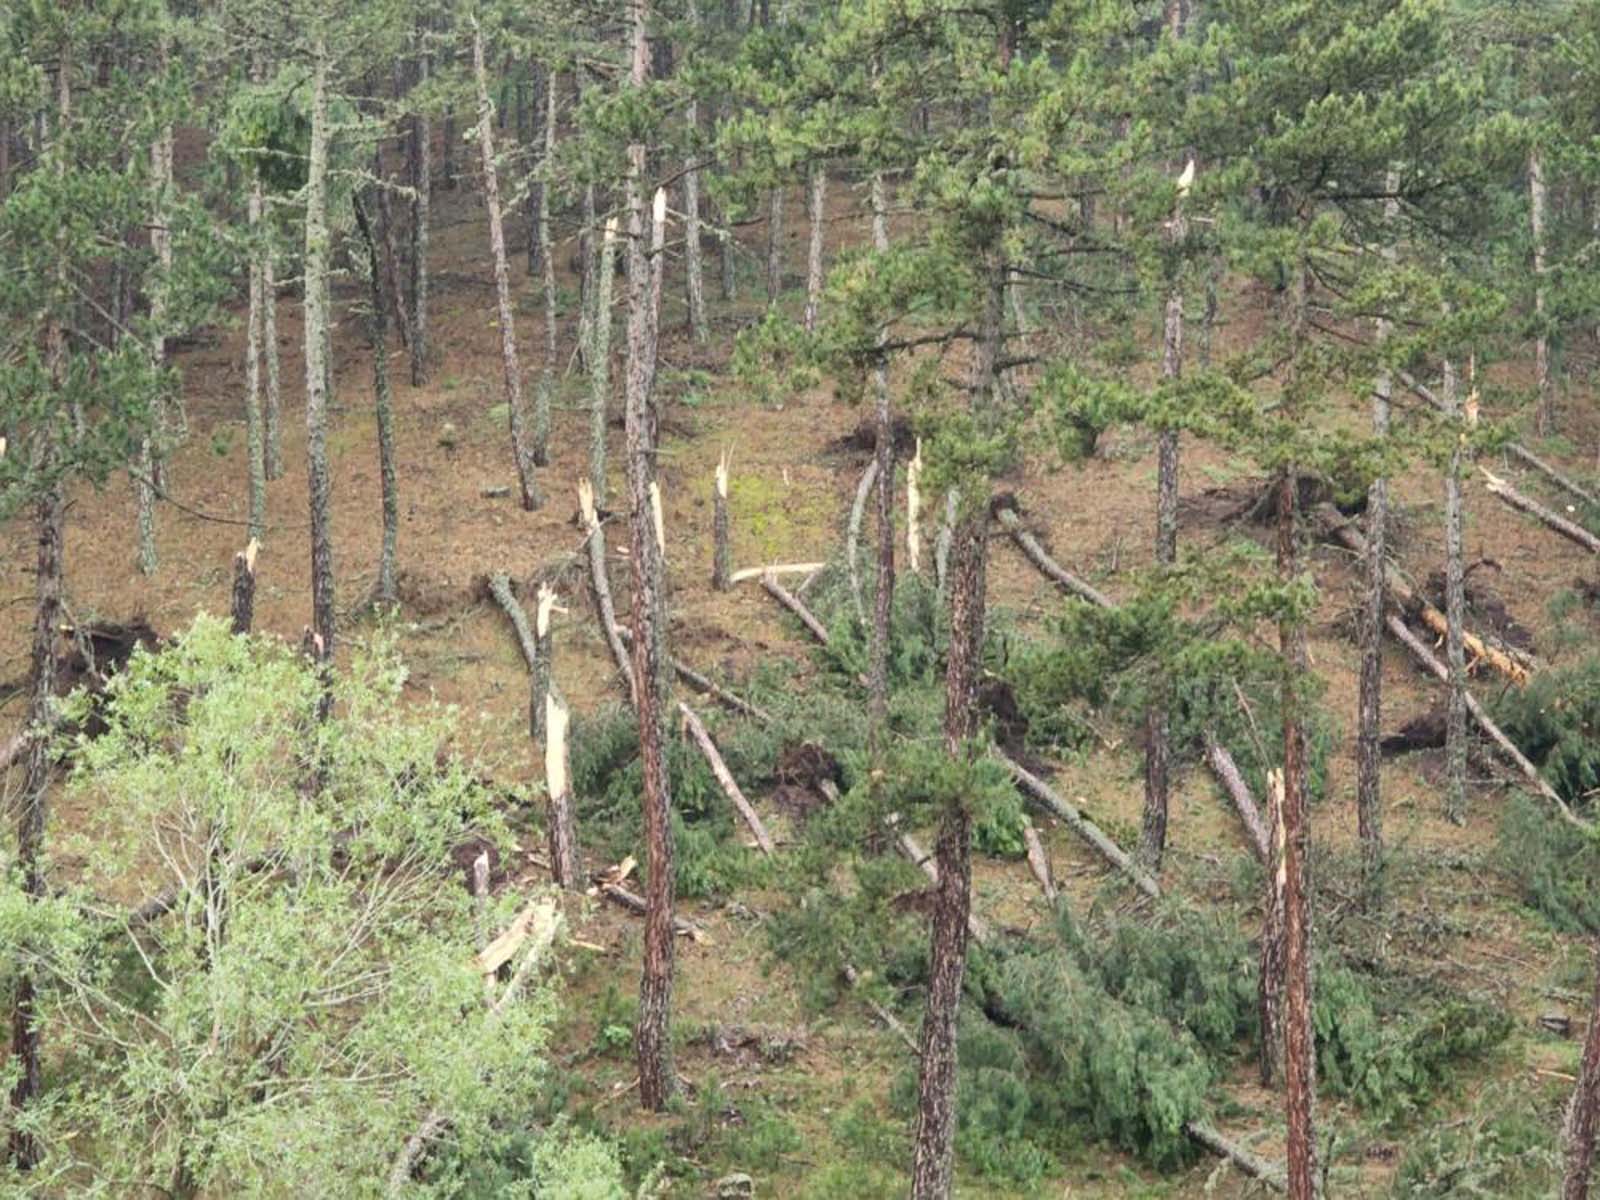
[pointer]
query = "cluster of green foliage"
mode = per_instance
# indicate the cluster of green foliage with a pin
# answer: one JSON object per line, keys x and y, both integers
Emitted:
{"x": 1555, "y": 720}
{"x": 312, "y": 992}
{"x": 1554, "y": 867}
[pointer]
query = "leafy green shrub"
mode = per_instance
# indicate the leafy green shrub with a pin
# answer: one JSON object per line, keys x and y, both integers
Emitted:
{"x": 1555, "y": 868}
{"x": 1497, "y": 1155}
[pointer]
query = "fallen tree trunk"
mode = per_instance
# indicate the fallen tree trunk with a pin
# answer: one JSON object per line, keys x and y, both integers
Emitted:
{"x": 1430, "y": 661}
{"x": 544, "y": 924}
{"x": 852, "y": 977}
{"x": 793, "y": 603}
{"x": 1570, "y": 530}
{"x": 1086, "y": 829}
{"x": 725, "y": 778}
{"x": 500, "y": 589}
{"x": 1047, "y": 566}
{"x": 706, "y": 686}
{"x": 797, "y": 568}
{"x": 1408, "y": 599}
{"x": 852, "y": 537}
{"x": 1518, "y": 451}
{"x": 1039, "y": 863}
{"x": 635, "y": 904}
{"x": 599, "y": 588}
{"x": 1232, "y": 780}
{"x": 909, "y": 847}
{"x": 1251, "y": 1164}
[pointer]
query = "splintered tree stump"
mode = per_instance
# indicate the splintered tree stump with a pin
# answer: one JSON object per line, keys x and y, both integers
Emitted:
{"x": 724, "y": 777}
{"x": 244, "y": 587}
{"x": 721, "y": 538}
{"x": 543, "y": 643}
{"x": 563, "y": 835}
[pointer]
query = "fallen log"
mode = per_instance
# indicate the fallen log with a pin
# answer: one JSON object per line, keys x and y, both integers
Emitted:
{"x": 708, "y": 687}
{"x": 1430, "y": 661}
{"x": 794, "y": 604}
{"x": 1232, "y": 780}
{"x": 1570, "y": 530}
{"x": 852, "y": 977}
{"x": 635, "y": 904}
{"x": 908, "y": 846}
{"x": 1086, "y": 829}
{"x": 1039, "y": 863}
{"x": 544, "y": 657}
{"x": 1334, "y": 524}
{"x": 852, "y": 537}
{"x": 544, "y": 922}
{"x": 1518, "y": 451}
{"x": 599, "y": 588}
{"x": 795, "y": 568}
{"x": 725, "y": 779}
{"x": 721, "y": 539}
{"x": 1047, "y": 566}
{"x": 1251, "y": 1164}
{"x": 500, "y": 589}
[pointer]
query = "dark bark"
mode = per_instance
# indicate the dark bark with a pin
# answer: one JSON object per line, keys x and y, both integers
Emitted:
{"x": 544, "y": 650}
{"x": 1455, "y": 614}
{"x": 50, "y": 516}
{"x": 1299, "y": 1047}
{"x": 243, "y": 606}
{"x": 421, "y": 217}
{"x": 721, "y": 542}
{"x": 316, "y": 351}
{"x": 1583, "y": 1110}
{"x": 883, "y": 450}
{"x": 535, "y": 198}
{"x": 383, "y": 590}
{"x": 1270, "y": 964}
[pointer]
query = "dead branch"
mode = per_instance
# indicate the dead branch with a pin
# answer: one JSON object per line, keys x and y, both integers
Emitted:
{"x": 500, "y": 589}
{"x": 724, "y": 777}
{"x": 598, "y": 585}
{"x": 1045, "y": 795}
{"x": 852, "y": 540}
{"x": 853, "y": 978}
{"x": 708, "y": 687}
{"x": 1039, "y": 863}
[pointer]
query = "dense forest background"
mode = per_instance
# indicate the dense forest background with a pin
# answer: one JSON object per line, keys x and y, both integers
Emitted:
{"x": 799, "y": 598}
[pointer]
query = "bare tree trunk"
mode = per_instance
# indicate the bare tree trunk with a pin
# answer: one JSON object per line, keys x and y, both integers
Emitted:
{"x": 883, "y": 450}
{"x": 722, "y": 545}
{"x": 818, "y": 195}
{"x": 542, "y": 82}
{"x": 272, "y": 451}
{"x": 255, "y": 449}
{"x": 383, "y": 591}
{"x": 774, "y": 245}
{"x": 600, "y": 360}
{"x": 421, "y": 218}
{"x": 1299, "y": 1045}
{"x": 547, "y": 377}
{"x": 1455, "y": 752}
{"x": 161, "y": 247}
{"x": 242, "y": 608}
{"x": 316, "y": 348}
{"x": 588, "y": 248}
{"x": 1270, "y": 974}
{"x": 521, "y": 443}
{"x": 1158, "y": 732}
{"x": 1583, "y": 1110}
{"x": 1369, "y": 795}
{"x": 564, "y": 858}
{"x": 541, "y": 669}
{"x": 652, "y": 1037}
{"x": 1544, "y": 414}
{"x": 691, "y": 209}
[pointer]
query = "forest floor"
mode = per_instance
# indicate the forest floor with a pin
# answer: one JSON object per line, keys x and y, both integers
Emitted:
{"x": 805, "y": 1093}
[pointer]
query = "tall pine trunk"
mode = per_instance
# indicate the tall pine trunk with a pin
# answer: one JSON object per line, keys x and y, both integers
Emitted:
{"x": 652, "y": 1037}
{"x": 1583, "y": 1110}
{"x": 599, "y": 353}
{"x": 1544, "y": 414}
{"x": 383, "y": 591}
{"x": 272, "y": 413}
{"x": 521, "y": 442}
{"x": 255, "y": 443}
{"x": 161, "y": 248}
{"x": 316, "y": 349}
{"x": 1369, "y": 786}
{"x": 547, "y": 261}
{"x": 1455, "y": 746}
{"x": 692, "y": 265}
{"x": 774, "y": 245}
{"x": 817, "y": 194}
{"x": 883, "y": 420}
{"x": 421, "y": 218}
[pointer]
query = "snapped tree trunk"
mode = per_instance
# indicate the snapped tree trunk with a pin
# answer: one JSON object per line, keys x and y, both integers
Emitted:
{"x": 1271, "y": 972}
{"x": 316, "y": 348}
{"x": 543, "y": 660}
{"x": 242, "y": 608}
{"x": 564, "y": 860}
{"x": 521, "y": 440}
{"x": 383, "y": 590}
{"x": 1583, "y": 1110}
{"x": 721, "y": 541}
{"x": 817, "y": 195}
{"x": 600, "y": 361}
{"x": 1544, "y": 413}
